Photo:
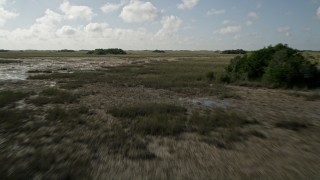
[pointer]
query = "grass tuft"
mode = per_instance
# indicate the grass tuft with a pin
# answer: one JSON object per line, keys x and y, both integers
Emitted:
{"x": 9, "y": 97}
{"x": 292, "y": 125}
{"x": 54, "y": 96}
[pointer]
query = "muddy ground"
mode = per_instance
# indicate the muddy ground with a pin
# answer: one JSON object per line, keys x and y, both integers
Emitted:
{"x": 70, "y": 126}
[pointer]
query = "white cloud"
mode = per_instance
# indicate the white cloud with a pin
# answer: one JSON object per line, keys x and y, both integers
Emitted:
{"x": 75, "y": 12}
{"x": 50, "y": 17}
{"x": 318, "y": 13}
{"x": 96, "y": 27}
{"x": 43, "y": 29}
{"x": 138, "y": 11}
{"x": 5, "y": 15}
{"x": 216, "y": 12}
{"x": 285, "y": 30}
{"x": 226, "y": 22}
{"x": 170, "y": 25}
{"x": 230, "y": 29}
{"x": 253, "y": 15}
{"x": 67, "y": 31}
{"x": 109, "y": 7}
{"x": 187, "y": 4}
{"x": 2, "y": 2}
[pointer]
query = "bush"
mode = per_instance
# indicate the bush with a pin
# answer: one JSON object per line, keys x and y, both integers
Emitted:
{"x": 210, "y": 75}
{"x": 158, "y": 51}
{"x": 107, "y": 51}
{"x": 237, "y": 51}
{"x": 278, "y": 66}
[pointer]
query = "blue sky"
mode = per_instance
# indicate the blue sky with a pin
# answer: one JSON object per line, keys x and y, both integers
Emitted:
{"x": 159, "y": 24}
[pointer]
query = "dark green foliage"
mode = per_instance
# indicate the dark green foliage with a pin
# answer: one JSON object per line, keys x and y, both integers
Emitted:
{"x": 219, "y": 118}
{"x": 107, "y": 51}
{"x": 224, "y": 78}
{"x": 158, "y": 51}
{"x": 292, "y": 125}
{"x": 55, "y": 96}
{"x": 161, "y": 124}
{"x": 3, "y": 50}
{"x": 8, "y": 97}
{"x": 61, "y": 114}
{"x": 154, "y": 119}
{"x": 210, "y": 75}
{"x": 66, "y": 50}
{"x": 3, "y": 61}
{"x": 278, "y": 66}
{"x": 146, "y": 110}
{"x": 11, "y": 119}
{"x": 237, "y": 51}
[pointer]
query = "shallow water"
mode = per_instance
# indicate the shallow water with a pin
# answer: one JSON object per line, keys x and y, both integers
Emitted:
{"x": 211, "y": 103}
{"x": 19, "y": 70}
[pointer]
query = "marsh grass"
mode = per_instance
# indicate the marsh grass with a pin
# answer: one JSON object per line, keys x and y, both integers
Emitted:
{"x": 171, "y": 120}
{"x": 8, "y": 97}
{"x": 54, "y": 96}
{"x": 313, "y": 96}
{"x": 40, "y": 71}
{"x": 153, "y": 118}
{"x": 188, "y": 76}
{"x": 72, "y": 80}
{"x": 58, "y": 113}
{"x": 205, "y": 123}
{"x": 294, "y": 125}
{"x": 2, "y": 61}
{"x": 11, "y": 120}
{"x": 147, "y": 109}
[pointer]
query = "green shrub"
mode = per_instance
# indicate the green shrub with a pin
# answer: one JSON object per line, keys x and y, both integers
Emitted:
{"x": 107, "y": 51}
{"x": 146, "y": 110}
{"x": 224, "y": 78}
{"x": 210, "y": 75}
{"x": 278, "y": 66}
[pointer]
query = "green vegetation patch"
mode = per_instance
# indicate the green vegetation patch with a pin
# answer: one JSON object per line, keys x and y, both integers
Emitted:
{"x": 204, "y": 123}
{"x": 3, "y": 61}
{"x": 11, "y": 120}
{"x": 276, "y": 66}
{"x": 187, "y": 76}
{"x": 59, "y": 113}
{"x": 292, "y": 125}
{"x": 107, "y": 51}
{"x": 147, "y": 109}
{"x": 54, "y": 96}
{"x": 9, "y": 97}
{"x": 72, "y": 80}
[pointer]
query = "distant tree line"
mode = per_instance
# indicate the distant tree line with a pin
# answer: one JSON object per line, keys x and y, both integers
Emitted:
{"x": 107, "y": 51}
{"x": 3, "y": 50}
{"x": 236, "y": 51}
{"x": 158, "y": 51}
{"x": 66, "y": 50}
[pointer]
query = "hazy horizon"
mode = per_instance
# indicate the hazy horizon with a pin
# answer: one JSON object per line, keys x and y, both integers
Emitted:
{"x": 166, "y": 25}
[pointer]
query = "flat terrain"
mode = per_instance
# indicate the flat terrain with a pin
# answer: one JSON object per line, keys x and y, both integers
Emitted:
{"x": 150, "y": 116}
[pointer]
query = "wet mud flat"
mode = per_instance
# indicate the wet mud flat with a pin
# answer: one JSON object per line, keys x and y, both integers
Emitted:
{"x": 118, "y": 118}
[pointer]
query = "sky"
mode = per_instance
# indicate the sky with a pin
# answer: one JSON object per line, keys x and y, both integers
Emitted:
{"x": 159, "y": 24}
